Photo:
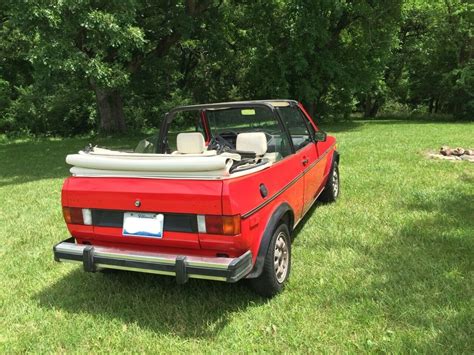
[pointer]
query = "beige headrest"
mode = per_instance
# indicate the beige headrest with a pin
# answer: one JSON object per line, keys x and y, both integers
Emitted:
{"x": 252, "y": 142}
{"x": 190, "y": 143}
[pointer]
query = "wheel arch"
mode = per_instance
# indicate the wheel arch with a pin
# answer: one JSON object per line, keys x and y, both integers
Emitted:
{"x": 336, "y": 156}
{"x": 330, "y": 162}
{"x": 283, "y": 213}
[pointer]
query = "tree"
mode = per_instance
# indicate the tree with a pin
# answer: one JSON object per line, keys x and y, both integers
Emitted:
{"x": 319, "y": 52}
{"x": 69, "y": 67}
{"x": 105, "y": 42}
{"x": 433, "y": 64}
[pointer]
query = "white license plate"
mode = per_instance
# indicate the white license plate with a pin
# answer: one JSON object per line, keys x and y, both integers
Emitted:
{"x": 136, "y": 224}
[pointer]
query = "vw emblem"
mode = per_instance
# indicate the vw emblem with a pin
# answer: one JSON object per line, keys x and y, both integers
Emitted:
{"x": 138, "y": 203}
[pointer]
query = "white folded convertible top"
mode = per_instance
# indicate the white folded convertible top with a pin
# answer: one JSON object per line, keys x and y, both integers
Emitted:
{"x": 104, "y": 162}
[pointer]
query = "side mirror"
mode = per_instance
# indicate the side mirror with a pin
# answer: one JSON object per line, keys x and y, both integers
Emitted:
{"x": 320, "y": 136}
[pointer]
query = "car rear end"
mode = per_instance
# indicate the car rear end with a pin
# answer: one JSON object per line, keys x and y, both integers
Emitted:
{"x": 153, "y": 225}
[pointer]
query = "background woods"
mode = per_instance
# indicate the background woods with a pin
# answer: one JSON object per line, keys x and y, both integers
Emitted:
{"x": 73, "y": 67}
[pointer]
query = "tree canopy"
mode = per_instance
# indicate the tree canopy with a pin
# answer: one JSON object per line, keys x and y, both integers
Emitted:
{"x": 70, "y": 67}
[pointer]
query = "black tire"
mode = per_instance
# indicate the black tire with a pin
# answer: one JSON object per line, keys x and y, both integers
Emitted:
{"x": 268, "y": 284}
{"x": 332, "y": 188}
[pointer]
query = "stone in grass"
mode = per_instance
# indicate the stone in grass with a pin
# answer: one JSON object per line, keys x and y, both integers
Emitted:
{"x": 443, "y": 157}
{"x": 457, "y": 151}
{"x": 456, "y": 154}
{"x": 445, "y": 150}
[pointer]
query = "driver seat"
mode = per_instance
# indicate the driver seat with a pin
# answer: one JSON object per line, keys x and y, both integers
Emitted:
{"x": 256, "y": 142}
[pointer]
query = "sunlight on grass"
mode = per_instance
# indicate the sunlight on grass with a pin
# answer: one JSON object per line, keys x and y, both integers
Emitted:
{"x": 388, "y": 268}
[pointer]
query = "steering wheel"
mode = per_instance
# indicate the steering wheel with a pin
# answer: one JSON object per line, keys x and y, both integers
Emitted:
{"x": 221, "y": 144}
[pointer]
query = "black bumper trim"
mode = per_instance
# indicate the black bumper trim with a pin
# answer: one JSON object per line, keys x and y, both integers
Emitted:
{"x": 181, "y": 266}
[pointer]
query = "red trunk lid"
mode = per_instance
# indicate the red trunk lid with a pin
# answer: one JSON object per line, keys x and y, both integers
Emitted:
{"x": 179, "y": 200}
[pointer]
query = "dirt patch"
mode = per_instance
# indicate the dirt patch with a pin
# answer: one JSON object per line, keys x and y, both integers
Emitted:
{"x": 453, "y": 154}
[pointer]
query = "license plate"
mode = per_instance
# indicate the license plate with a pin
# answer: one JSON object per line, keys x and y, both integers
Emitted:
{"x": 137, "y": 224}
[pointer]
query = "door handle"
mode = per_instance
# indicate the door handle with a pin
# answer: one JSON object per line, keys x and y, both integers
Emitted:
{"x": 304, "y": 161}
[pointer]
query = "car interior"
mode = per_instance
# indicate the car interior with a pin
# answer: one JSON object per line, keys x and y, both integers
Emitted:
{"x": 251, "y": 149}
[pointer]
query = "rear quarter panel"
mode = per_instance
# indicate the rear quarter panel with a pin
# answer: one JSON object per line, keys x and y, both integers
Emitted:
{"x": 285, "y": 184}
{"x": 242, "y": 196}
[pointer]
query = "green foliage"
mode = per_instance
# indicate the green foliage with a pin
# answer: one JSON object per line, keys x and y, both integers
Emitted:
{"x": 432, "y": 65}
{"x": 122, "y": 64}
{"x": 36, "y": 111}
{"x": 388, "y": 268}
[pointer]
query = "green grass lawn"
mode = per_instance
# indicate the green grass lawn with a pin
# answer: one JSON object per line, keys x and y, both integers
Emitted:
{"x": 389, "y": 267}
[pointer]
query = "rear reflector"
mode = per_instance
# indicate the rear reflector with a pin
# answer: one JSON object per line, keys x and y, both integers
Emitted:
{"x": 226, "y": 225}
{"x": 73, "y": 215}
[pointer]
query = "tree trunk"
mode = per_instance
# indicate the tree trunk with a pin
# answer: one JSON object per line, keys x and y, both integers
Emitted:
{"x": 112, "y": 117}
{"x": 371, "y": 107}
{"x": 367, "y": 106}
{"x": 431, "y": 105}
{"x": 374, "y": 109}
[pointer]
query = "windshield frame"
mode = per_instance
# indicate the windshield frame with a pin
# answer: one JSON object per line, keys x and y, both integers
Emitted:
{"x": 169, "y": 117}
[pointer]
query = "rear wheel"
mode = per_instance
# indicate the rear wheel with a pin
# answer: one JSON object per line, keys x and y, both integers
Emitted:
{"x": 277, "y": 264}
{"x": 332, "y": 187}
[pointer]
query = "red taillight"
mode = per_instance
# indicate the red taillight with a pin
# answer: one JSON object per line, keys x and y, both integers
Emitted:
{"x": 73, "y": 215}
{"x": 227, "y": 225}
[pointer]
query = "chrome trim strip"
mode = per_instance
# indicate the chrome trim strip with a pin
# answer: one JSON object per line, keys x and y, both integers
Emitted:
{"x": 127, "y": 268}
{"x": 209, "y": 265}
{"x": 69, "y": 248}
{"x": 205, "y": 277}
{"x": 222, "y": 264}
{"x": 287, "y": 186}
{"x": 131, "y": 257}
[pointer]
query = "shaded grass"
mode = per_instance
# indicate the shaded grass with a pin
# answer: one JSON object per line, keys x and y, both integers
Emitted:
{"x": 389, "y": 267}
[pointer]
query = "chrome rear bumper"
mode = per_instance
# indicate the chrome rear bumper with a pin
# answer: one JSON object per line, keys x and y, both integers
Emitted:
{"x": 181, "y": 266}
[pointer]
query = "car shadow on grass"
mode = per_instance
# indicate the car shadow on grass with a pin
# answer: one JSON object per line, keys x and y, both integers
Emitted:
{"x": 423, "y": 273}
{"x": 198, "y": 309}
{"x": 306, "y": 218}
{"x": 431, "y": 268}
{"x": 427, "y": 270}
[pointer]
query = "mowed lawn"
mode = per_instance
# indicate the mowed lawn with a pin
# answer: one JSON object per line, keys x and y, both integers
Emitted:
{"x": 389, "y": 267}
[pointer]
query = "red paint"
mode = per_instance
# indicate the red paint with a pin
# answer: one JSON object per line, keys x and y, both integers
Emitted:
{"x": 164, "y": 195}
{"x": 205, "y": 125}
{"x": 301, "y": 175}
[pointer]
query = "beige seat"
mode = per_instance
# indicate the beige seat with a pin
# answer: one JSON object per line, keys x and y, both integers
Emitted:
{"x": 192, "y": 144}
{"x": 252, "y": 142}
{"x": 256, "y": 142}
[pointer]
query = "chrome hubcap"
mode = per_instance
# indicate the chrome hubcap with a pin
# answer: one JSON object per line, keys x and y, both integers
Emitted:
{"x": 335, "y": 183}
{"x": 281, "y": 258}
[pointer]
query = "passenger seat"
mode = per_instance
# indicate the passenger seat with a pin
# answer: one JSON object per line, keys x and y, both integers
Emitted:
{"x": 192, "y": 144}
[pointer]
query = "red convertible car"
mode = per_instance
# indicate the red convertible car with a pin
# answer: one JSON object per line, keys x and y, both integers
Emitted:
{"x": 215, "y": 195}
